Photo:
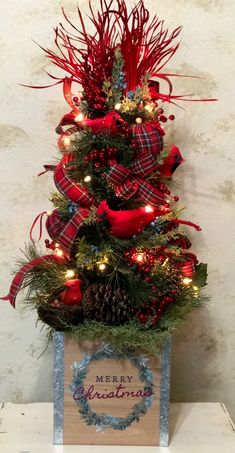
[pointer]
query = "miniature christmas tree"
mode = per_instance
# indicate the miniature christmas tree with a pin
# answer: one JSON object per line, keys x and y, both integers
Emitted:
{"x": 118, "y": 266}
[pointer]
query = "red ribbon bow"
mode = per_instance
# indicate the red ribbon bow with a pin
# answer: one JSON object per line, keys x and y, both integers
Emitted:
{"x": 126, "y": 184}
{"x": 19, "y": 277}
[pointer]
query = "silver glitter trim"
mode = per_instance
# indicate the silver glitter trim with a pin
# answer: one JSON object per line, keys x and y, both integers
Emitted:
{"x": 58, "y": 432}
{"x": 165, "y": 395}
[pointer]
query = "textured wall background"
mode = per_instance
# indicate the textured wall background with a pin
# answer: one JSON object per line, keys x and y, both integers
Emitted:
{"x": 203, "y": 352}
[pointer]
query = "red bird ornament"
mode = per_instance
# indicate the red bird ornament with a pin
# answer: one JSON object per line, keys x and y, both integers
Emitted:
{"x": 171, "y": 162}
{"x": 72, "y": 294}
{"x": 124, "y": 224}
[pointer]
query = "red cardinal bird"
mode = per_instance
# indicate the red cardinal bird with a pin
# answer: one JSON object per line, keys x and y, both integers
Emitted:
{"x": 124, "y": 224}
{"x": 171, "y": 162}
{"x": 72, "y": 294}
{"x": 111, "y": 121}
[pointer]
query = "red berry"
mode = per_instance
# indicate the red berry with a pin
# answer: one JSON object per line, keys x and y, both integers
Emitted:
{"x": 171, "y": 117}
{"x": 154, "y": 288}
{"x": 147, "y": 269}
{"x": 75, "y": 99}
{"x": 147, "y": 279}
{"x": 142, "y": 318}
{"x": 163, "y": 118}
{"x": 168, "y": 299}
{"x": 176, "y": 198}
{"x": 160, "y": 111}
{"x": 155, "y": 320}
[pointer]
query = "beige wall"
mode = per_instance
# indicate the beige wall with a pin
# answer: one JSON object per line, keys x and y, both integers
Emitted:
{"x": 203, "y": 352}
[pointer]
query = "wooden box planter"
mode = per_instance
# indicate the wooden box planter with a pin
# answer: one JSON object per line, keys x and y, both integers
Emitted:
{"x": 101, "y": 398}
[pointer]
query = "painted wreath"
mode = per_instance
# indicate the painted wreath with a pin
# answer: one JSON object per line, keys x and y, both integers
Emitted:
{"x": 104, "y": 421}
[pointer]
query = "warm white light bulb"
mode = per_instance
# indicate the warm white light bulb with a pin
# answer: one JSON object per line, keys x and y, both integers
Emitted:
{"x": 148, "y": 208}
{"x": 102, "y": 267}
{"x": 79, "y": 117}
{"x": 165, "y": 262}
{"x": 139, "y": 257}
{"x": 138, "y": 120}
{"x": 66, "y": 141}
{"x": 70, "y": 273}
{"x": 87, "y": 178}
{"x": 59, "y": 252}
{"x": 149, "y": 108}
{"x": 118, "y": 106}
{"x": 187, "y": 281}
{"x": 49, "y": 213}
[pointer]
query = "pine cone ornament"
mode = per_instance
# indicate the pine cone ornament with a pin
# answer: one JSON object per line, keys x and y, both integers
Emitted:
{"x": 104, "y": 303}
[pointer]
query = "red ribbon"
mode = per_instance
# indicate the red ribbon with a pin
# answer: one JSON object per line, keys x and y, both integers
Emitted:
{"x": 63, "y": 231}
{"x": 127, "y": 184}
{"x": 71, "y": 190}
{"x": 188, "y": 267}
{"x": 19, "y": 277}
{"x": 40, "y": 218}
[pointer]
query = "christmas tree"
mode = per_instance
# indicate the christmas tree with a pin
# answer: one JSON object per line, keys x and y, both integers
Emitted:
{"x": 118, "y": 266}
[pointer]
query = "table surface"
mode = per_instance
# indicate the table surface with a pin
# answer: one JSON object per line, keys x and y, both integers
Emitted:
{"x": 194, "y": 428}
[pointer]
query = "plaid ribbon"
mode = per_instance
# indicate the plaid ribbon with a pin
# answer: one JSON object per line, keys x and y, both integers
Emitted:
{"x": 19, "y": 277}
{"x": 188, "y": 266}
{"x": 69, "y": 188}
{"x": 149, "y": 142}
{"x": 130, "y": 181}
{"x": 126, "y": 184}
{"x": 63, "y": 231}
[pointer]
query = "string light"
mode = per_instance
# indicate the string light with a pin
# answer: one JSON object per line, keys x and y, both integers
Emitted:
{"x": 165, "y": 262}
{"x": 70, "y": 273}
{"x": 139, "y": 120}
{"x": 66, "y": 141}
{"x": 118, "y": 106}
{"x": 87, "y": 178}
{"x": 79, "y": 117}
{"x": 102, "y": 267}
{"x": 148, "y": 208}
{"x": 59, "y": 252}
{"x": 196, "y": 290}
{"x": 139, "y": 257}
{"x": 187, "y": 281}
{"x": 149, "y": 108}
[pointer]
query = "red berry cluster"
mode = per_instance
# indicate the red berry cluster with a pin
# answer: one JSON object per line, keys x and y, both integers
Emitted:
{"x": 163, "y": 187}
{"x": 163, "y": 118}
{"x": 50, "y": 245}
{"x": 102, "y": 157}
{"x": 124, "y": 130}
{"x": 144, "y": 260}
{"x": 93, "y": 76}
{"x": 154, "y": 310}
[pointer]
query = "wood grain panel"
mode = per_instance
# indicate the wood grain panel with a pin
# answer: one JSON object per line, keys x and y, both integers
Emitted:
{"x": 145, "y": 432}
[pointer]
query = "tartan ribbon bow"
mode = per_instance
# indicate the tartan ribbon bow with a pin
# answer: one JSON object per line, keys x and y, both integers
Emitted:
{"x": 19, "y": 277}
{"x": 64, "y": 231}
{"x": 59, "y": 229}
{"x": 127, "y": 183}
{"x": 70, "y": 189}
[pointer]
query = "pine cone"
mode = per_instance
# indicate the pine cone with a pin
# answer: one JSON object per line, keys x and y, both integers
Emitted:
{"x": 104, "y": 303}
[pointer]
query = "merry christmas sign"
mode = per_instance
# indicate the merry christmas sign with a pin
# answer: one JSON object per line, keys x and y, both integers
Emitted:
{"x": 106, "y": 398}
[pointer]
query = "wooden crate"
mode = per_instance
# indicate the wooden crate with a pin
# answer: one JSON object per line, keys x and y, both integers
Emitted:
{"x": 112, "y": 386}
